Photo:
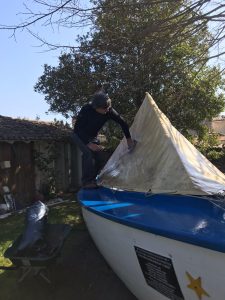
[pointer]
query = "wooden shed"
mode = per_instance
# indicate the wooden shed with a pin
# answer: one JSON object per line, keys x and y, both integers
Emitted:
{"x": 37, "y": 155}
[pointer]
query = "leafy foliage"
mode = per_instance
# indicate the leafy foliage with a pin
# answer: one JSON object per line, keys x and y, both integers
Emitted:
{"x": 44, "y": 160}
{"x": 125, "y": 50}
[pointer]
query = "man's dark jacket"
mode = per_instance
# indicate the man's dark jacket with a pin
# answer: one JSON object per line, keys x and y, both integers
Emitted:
{"x": 89, "y": 122}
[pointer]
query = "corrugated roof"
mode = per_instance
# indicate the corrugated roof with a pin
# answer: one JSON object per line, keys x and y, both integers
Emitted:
{"x": 29, "y": 130}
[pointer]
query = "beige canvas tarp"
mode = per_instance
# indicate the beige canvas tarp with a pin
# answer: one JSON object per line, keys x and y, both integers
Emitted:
{"x": 163, "y": 161}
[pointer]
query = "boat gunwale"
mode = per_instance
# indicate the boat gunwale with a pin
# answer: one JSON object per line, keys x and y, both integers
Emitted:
{"x": 179, "y": 236}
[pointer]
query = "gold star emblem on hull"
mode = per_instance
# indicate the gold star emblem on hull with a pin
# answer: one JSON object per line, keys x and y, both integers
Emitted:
{"x": 196, "y": 285}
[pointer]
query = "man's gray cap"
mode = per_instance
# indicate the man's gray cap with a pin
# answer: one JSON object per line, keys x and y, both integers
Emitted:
{"x": 101, "y": 100}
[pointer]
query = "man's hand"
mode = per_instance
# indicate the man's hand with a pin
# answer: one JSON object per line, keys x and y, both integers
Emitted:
{"x": 131, "y": 144}
{"x": 95, "y": 147}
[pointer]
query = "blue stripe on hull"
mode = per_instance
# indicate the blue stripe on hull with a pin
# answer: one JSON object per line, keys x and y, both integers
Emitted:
{"x": 189, "y": 219}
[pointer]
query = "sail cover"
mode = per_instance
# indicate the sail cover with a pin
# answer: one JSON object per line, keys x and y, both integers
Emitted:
{"x": 163, "y": 161}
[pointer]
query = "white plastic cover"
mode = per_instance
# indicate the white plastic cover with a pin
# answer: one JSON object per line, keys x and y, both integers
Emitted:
{"x": 163, "y": 161}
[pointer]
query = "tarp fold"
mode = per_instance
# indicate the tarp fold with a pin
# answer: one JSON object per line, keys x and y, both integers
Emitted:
{"x": 163, "y": 161}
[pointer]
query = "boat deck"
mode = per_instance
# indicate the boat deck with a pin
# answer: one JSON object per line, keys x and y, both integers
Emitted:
{"x": 194, "y": 220}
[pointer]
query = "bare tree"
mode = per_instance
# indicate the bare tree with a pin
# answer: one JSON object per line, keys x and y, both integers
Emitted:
{"x": 54, "y": 14}
{"x": 74, "y": 14}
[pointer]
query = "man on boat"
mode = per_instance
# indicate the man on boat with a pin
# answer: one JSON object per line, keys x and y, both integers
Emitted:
{"x": 89, "y": 121}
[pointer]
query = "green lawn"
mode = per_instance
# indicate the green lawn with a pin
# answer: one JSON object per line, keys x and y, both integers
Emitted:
{"x": 81, "y": 273}
{"x": 12, "y": 226}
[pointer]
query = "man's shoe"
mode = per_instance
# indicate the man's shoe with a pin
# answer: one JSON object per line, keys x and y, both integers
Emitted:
{"x": 90, "y": 185}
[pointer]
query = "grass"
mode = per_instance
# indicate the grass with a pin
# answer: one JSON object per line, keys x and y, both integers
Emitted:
{"x": 12, "y": 227}
{"x": 82, "y": 272}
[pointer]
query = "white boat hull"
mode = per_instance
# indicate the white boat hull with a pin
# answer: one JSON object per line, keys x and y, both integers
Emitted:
{"x": 199, "y": 273}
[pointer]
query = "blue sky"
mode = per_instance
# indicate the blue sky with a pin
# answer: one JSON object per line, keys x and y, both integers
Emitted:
{"x": 22, "y": 63}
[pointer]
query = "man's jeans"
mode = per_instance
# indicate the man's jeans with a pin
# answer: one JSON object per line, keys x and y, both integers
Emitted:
{"x": 91, "y": 161}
